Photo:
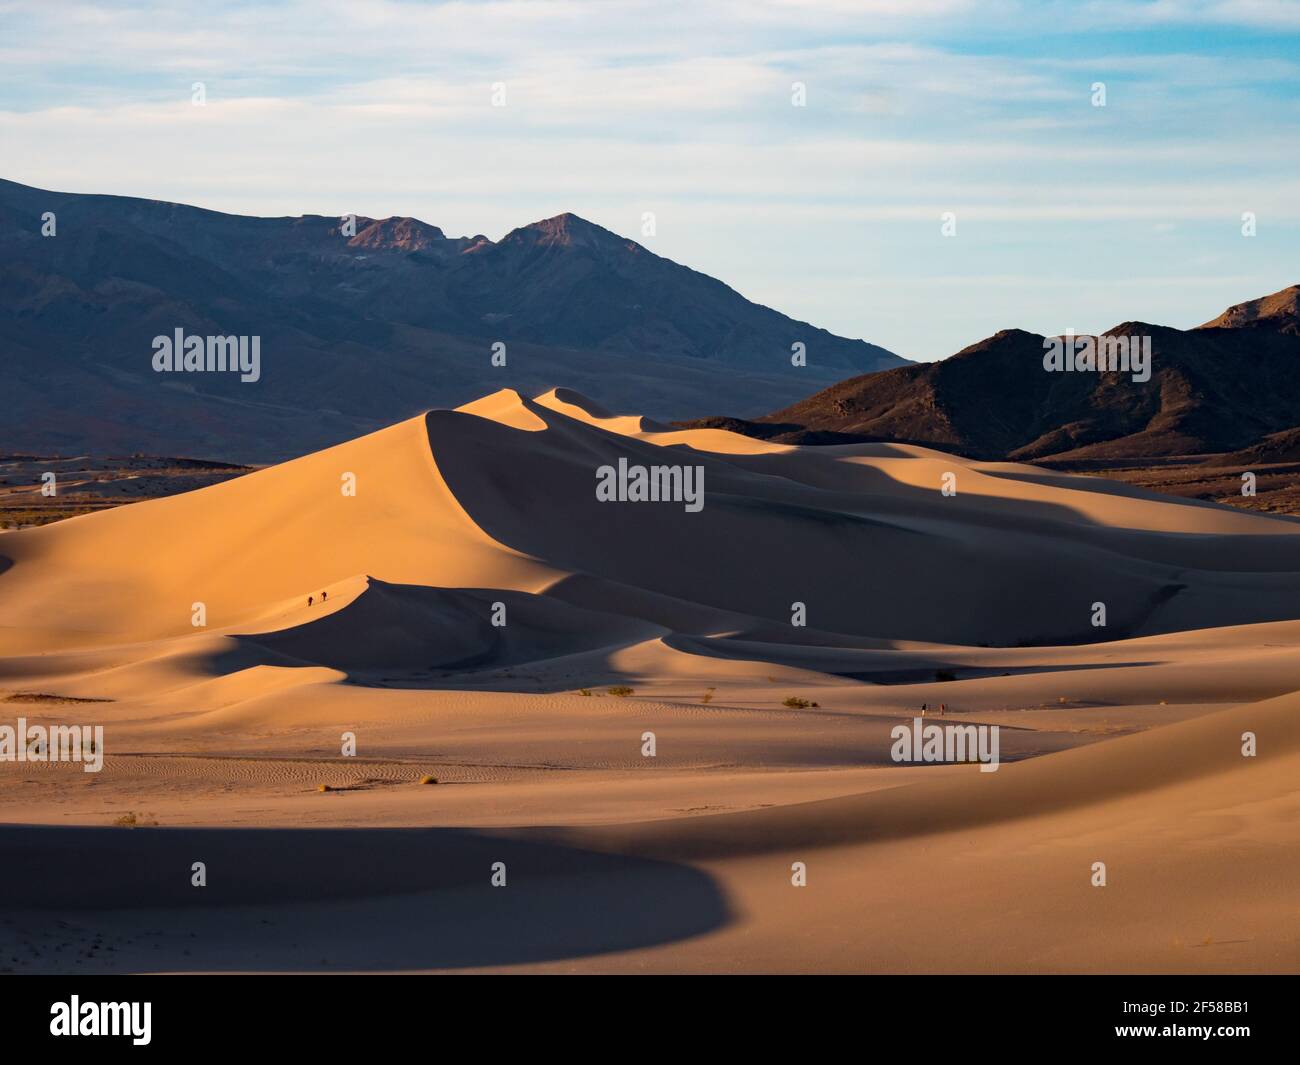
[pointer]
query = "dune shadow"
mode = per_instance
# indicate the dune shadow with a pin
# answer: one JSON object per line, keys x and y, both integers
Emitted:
{"x": 389, "y": 898}
{"x": 419, "y": 636}
{"x": 427, "y": 638}
{"x": 956, "y": 672}
{"x": 950, "y": 567}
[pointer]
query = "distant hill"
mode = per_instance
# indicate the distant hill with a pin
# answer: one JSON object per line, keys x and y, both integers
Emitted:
{"x": 1223, "y": 387}
{"x": 1274, "y": 448}
{"x": 358, "y": 330}
{"x": 1279, "y": 313}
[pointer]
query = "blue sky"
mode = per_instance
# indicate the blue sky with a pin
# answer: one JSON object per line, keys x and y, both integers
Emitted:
{"x": 1069, "y": 216}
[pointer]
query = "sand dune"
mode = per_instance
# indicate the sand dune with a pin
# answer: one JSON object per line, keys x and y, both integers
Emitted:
{"x": 472, "y": 603}
{"x": 501, "y": 495}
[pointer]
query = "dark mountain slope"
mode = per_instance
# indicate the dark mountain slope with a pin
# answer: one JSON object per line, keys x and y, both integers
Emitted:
{"x": 357, "y": 330}
{"x": 1221, "y": 387}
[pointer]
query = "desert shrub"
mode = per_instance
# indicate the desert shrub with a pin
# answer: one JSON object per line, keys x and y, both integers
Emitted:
{"x": 131, "y": 819}
{"x": 795, "y": 703}
{"x": 621, "y": 690}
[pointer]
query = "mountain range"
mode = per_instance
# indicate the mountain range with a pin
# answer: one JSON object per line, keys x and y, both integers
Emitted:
{"x": 359, "y": 325}
{"x": 1231, "y": 385}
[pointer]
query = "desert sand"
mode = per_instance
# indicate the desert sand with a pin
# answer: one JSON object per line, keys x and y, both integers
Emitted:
{"x": 1120, "y": 744}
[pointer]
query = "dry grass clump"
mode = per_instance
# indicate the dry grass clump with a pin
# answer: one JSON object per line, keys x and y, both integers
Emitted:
{"x": 131, "y": 819}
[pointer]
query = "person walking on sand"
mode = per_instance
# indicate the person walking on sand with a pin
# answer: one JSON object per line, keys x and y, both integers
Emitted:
{"x": 309, "y": 600}
{"x": 943, "y": 709}
{"x": 924, "y": 707}
{"x": 324, "y": 596}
